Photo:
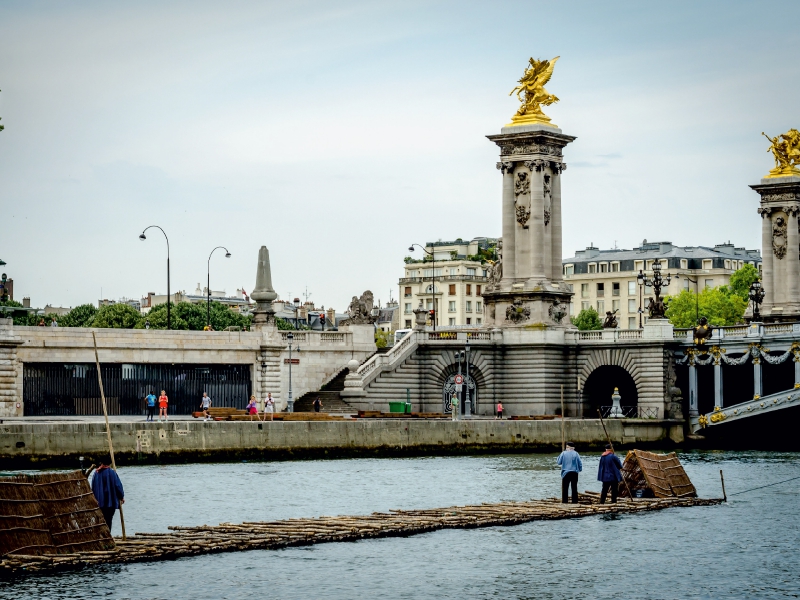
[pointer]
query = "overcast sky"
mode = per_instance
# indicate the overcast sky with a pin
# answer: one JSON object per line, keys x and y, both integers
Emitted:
{"x": 339, "y": 133}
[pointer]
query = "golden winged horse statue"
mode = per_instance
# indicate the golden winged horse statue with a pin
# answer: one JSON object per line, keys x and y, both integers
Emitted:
{"x": 531, "y": 92}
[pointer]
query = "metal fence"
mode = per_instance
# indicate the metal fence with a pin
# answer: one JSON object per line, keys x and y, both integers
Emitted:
{"x": 632, "y": 412}
{"x": 72, "y": 389}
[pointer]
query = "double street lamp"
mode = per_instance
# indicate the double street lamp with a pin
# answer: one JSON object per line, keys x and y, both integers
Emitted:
{"x": 657, "y": 281}
{"x": 464, "y": 355}
{"x": 208, "y": 283}
{"x": 169, "y": 298}
{"x": 433, "y": 280}
{"x": 757, "y": 296}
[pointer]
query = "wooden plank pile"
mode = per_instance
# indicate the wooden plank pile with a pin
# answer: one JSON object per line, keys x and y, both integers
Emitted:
{"x": 228, "y": 537}
{"x": 532, "y": 417}
{"x": 376, "y": 414}
{"x": 655, "y": 475}
{"x": 234, "y": 414}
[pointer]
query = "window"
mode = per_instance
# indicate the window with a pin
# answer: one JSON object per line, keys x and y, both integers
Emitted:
{"x": 584, "y": 290}
{"x": 453, "y": 271}
{"x": 469, "y": 306}
{"x": 572, "y": 309}
{"x": 632, "y": 305}
{"x": 709, "y": 283}
{"x": 601, "y": 290}
{"x": 631, "y": 288}
{"x": 408, "y": 323}
{"x": 569, "y": 270}
{"x": 470, "y": 272}
{"x": 451, "y": 306}
{"x": 485, "y": 273}
{"x": 604, "y": 267}
{"x": 584, "y": 306}
{"x": 648, "y": 290}
{"x": 592, "y": 268}
{"x": 432, "y": 272}
{"x": 601, "y": 307}
{"x": 469, "y": 289}
{"x": 615, "y": 288}
{"x": 632, "y": 323}
{"x": 469, "y": 321}
{"x": 407, "y": 292}
{"x": 686, "y": 284}
{"x": 451, "y": 321}
{"x": 478, "y": 321}
{"x": 479, "y": 307}
{"x": 684, "y": 263}
{"x": 638, "y": 265}
{"x": 727, "y": 264}
{"x": 615, "y": 267}
{"x": 708, "y": 264}
{"x": 452, "y": 289}
{"x": 477, "y": 290}
{"x": 430, "y": 304}
{"x": 615, "y": 305}
{"x": 408, "y": 308}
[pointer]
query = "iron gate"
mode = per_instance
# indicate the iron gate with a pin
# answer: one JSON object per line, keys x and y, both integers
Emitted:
{"x": 72, "y": 389}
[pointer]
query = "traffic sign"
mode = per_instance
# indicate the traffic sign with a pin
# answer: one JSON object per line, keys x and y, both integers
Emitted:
{"x": 458, "y": 387}
{"x": 459, "y": 380}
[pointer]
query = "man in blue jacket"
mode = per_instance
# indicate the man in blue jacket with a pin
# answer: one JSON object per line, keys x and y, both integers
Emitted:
{"x": 610, "y": 473}
{"x": 107, "y": 490}
{"x": 571, "y": 465}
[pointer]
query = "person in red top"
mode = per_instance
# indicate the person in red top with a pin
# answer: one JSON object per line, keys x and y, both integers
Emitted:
{"x": 499, "y": 411}
{"x": 163, "y": 401}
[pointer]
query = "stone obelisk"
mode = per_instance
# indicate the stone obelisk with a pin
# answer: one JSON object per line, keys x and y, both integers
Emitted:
{"x": 531, "y": 290}
{"x": 263, "y": 293}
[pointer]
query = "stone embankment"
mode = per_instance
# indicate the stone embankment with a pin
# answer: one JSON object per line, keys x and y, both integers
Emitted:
{"x": 25, "y": 444}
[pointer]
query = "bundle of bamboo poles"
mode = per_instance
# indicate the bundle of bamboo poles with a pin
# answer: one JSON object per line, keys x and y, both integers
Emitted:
{"x": 227, "y": 537}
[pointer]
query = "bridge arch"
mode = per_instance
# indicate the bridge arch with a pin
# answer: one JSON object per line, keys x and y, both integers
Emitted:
{"x": 601, "y": 372}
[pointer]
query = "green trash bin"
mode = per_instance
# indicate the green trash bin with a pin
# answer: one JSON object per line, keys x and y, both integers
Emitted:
{"x": 408, "y": 408}
{"x": 397, "y": 407}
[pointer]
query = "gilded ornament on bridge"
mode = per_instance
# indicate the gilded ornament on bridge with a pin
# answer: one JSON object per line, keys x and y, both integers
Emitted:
{"x": 718, "y": 415}
{"x": 703, "y": 421}
{"x": 785, "y": 150}
{"x": 532, "y": 95}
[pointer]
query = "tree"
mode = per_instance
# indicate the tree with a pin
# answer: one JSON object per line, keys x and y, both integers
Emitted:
{"x": 186, "y": 315}
{"x": 382, "y": 338}
{"x": 718, "y": 305}
{"x": 587, "y": 319}
{"x": 80, "y": 316}
{"x": 117, "y": 316}
{"x": 741, "y": 280}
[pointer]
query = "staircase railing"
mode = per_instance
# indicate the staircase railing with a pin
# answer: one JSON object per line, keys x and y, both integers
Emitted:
{"x": 370, "y": 370}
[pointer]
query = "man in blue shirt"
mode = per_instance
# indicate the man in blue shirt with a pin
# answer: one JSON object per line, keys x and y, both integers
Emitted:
{"x": 107, "y": 490}
{"x": 610, "y": 473}
{"x": 571, "y": 465}
{"x": 151, "y": 406}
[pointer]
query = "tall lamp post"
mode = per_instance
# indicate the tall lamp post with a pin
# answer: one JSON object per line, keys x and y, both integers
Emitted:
{"x": 322, "y": 316}
{"x": 657, "y": 281}
{"x": 467, "y": 405}
{"x": 459, "y": 354}
{"x": 296, "y": 314}
{"x": 433, "y": 280}
{"x": 169, "y": 296}
{"x": 208, "y": 283}
{"x": 757, "y": 296}
{"x": 290, "y": 400}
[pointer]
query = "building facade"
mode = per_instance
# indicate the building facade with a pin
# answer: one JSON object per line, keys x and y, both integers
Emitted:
{"x": 606, "y": 279}
{"x": 451, "y": 284}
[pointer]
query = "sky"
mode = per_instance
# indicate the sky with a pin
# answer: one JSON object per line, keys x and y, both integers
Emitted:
{"x": 337, "y": 134}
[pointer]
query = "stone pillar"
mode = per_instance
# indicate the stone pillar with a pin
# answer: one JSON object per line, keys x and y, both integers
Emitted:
{"x": 792, "y": 258}
{"x": 523, "y": 217}
{"x": 766, "y": 260}
{"x": 758, "y": 387}
{"x": 796, "y": 372}
{"x": 693, "y": 410}
{"x": 9, "y": 367}
{"x": 718, "y": 401}
{"x": 536, "y": 227}
{"x": 556, "y": 250}
{"x": 509, "y": 224}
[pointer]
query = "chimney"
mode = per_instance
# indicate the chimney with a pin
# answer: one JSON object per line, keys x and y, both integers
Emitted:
{"x": 26, "y": 302}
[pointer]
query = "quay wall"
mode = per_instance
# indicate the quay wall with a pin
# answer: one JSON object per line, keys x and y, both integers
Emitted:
{"x": 38, "y": 444}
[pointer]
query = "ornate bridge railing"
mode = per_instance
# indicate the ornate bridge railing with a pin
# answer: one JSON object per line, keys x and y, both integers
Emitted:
{"x": 631, "y": 412}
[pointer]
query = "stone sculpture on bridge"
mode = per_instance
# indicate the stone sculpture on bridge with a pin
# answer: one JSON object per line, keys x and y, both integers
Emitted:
{"x": 360, "y": 310}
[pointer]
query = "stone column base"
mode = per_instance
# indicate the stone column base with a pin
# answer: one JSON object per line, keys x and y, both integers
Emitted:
{"x": 524, "y": 308}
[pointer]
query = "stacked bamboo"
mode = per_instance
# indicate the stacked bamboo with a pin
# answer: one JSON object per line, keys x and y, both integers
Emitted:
{"x": 228, "y": 537}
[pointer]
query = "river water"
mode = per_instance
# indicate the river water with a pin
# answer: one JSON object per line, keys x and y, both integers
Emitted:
{"x": 747, "y": 548}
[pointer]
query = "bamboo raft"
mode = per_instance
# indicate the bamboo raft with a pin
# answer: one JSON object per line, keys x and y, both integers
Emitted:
{"x": 228, "y": 537}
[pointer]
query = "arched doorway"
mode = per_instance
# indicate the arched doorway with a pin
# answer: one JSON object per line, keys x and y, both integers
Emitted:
{"x": 449, "y": 388}
{"x": 600, "y": 386}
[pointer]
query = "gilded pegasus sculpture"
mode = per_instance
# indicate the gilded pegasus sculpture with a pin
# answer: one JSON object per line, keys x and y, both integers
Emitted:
{"x": 532, "y": 94}
{"x": 785, "y": 149}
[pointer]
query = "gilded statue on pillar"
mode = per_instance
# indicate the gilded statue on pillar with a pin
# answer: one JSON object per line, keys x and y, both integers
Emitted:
{"x": 532, "y": 95}
{"x": 785, "y": 150}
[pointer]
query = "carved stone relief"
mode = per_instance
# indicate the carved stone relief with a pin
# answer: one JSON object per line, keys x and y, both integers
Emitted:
{"x": 526, "y": 147}
{"x": 522, "y": 193}
{"x": 517, "y": 312}
{"x": 548, "y": 199}
{"x": 505, "y": 167}
{"x": 557, "y": 311}
{"x": 779, "y": 238}
{"x": 536, "y": 165}
{"x": 496, "y": 270}
{"x": 786, "y": 197}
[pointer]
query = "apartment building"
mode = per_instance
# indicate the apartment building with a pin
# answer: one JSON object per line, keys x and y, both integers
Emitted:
{"x": 606, "y": 279}
{"x": 450, "y": 280}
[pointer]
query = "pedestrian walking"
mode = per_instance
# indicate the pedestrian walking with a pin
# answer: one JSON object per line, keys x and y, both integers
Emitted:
{"x": 317, "y": 404}
{"x": 269, "y": 406}
{"x": 570, "y": 462}
{"x": 252, "y": 407}
{"x": 454, "y": 407}
{"x": 205, "y": 404}
{"x": 107, "y": 489}
{"x": 150, "y": 402}
{"x": 163, "y": 402}
{"x": 499, "y": 411}
{"x": 610, "y": 473}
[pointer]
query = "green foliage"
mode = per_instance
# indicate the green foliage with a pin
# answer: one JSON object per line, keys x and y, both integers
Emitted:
{"x": 186, "y": 315}
{"x": 587, "y": 320}
{"x": 283, "y": 324}
{"x": 117, "y": 316}
{"x": 484, "y": 254}
{"x": 80, "y": 316}
{"x": 382, "y": 338}
{"x": 718, "y": 305}
{"x": 741, "y": 279}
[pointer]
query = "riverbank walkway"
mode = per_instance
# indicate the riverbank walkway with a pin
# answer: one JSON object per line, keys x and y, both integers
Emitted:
{"x": 228, "y": 537}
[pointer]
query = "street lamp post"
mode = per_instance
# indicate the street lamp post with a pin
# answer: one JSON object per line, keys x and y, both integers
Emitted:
{"x": 169, "y": 297}
{"x": 657, "y": 281}
{"x": 757, "y": 296}
{"x": 208, "y": 283}
{"x": 296, "y": 314}
{"x": 433, "y": 280}
{"x": 459, "y": 354}
{"x": 322, "y": 316}
{"x": 467, "y": 404}
{"x": 290, "y": 400}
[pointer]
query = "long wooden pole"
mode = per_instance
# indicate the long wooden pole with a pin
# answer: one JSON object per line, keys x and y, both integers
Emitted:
{"x": 563, "y": 435}
{"x": 108, "y": 429}
{"x": 722, "y": 480}
{"x": 610, "y": 443}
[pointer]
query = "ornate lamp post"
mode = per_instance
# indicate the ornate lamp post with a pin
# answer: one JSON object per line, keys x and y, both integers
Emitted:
{"x": 290, "y": 400}
{"x": 467, "y": 404}
{"x": 433, "y": 280}
{"x": 208, "y": 283}
{"x": 169, "y": 296}
{"x": 757, "y": 297}
{"x": 657, "y": 281}
{"x": 322, "y": 316}
{"x": 459, "y": 354}
{"x": 296, "y": 314}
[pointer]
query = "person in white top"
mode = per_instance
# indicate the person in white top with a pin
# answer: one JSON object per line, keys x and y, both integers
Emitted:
{"x": 269, "y": 406}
